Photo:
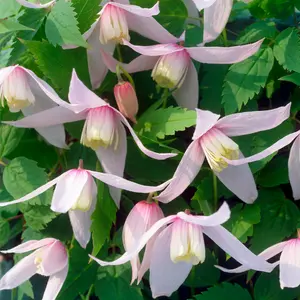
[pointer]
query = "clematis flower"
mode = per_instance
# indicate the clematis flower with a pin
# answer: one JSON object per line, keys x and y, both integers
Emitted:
{"x": 76, "y": 191}
{"x": 50, "y": 258}
{"x": 180, "y": 246}
{"x": 103, "y": 130}
{"x": 36, "y": 5}
{"x": 172, "y": 65}
{"x": 211, "y": 141}
{"x": 23, "y": 90}
{"x": 140, "y": 219}
{"x": 289, "y": 265}
{"x": 115, "y": 20}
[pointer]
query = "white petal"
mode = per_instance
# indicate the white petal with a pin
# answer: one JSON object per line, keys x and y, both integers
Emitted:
{"x": 294, "y": 168}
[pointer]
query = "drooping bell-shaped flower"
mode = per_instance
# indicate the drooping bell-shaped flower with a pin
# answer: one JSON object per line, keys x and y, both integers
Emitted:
{"x": 180, "y": 245}
{"x": 140, "y": 219}
{"x": 50, "y": 258}
{"x": 126, "y": 100}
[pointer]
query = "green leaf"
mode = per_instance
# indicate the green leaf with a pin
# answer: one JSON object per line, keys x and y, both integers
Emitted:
{"x": 286, "y": 49}
{"x": 279, "y": 218}
{"x": 113, "y": 282}
{"x": 242, "y": 219}
{"x": 25, "y": 289}
{"x": 22, "y": 176}
{"x": 294, "y": 78}
{"x": 4, "y": 232}
{"x": 62, "y": 27}
{"x": 225, "y": 291}
{"x": 8, "y": 8}
{"x": 165, "y": 121}
{"x": 10, "y": 137}
{"x": 6, "y": 52}
{"x": 10, "y": 25}
{"x": 245, "y": 79}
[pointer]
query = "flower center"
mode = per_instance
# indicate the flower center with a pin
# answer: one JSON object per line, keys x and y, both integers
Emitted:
{"x": 217, "y": 145}
{"x": 113, "y": 25}
{"x": 171, "y": 69}
{"x": 100, "y": 128}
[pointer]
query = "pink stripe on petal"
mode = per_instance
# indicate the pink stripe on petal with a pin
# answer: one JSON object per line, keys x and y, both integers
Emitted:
{"x": 294, "y": 168}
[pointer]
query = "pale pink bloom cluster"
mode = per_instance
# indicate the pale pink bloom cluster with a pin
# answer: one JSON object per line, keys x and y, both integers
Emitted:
{"x": 173, "y": 244}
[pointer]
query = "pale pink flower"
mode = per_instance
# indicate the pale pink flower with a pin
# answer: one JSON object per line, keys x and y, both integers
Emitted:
{"x": 140, "y": 219}
{"x": 289, "y": 263}
{"x": 180, "y": 245}
{"x": 173, "y": 67}
{"x": 103, "y": 130}
{"x": 50, "y": 258}
{"x": 211, "y": 141}
{"x": 23, "y": 90}
{"x": 37, "y": 4}
{"x": 115, "y": 20}
{"x": 126, "y": 99}
{"x": 76, "y": 191}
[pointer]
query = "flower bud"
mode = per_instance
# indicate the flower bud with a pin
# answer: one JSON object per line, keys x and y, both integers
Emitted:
{"x": 171, "y": 69}
{"x": 16, "y": 90}
{"x": 113, "y": 25}
{"x": 127, "y": 100}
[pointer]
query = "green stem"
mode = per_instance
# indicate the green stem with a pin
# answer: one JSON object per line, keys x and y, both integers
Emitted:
{"x": 224, "y": 34}
{"x": 13, "y": 294}
{"x": 165, "y": 98}
{"x": 3, "y": 163}
{"x": 119, "y": 53}
{"x": 120, "y": 70}
{"x": 89, "y": 292}
{"x": 215, "y": 191}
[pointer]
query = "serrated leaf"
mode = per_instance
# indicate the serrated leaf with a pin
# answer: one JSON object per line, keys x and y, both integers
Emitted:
{"x": 10, "y": 25}
{"x": 294, "y": 78}
{"x": 37, "y": 217}
{"x": 286, "y": 49}
{"x": 25, "y": 289}
{"x": 4, "y": 232}
{"x": 62, "y": 27}
{"x": 6, "y": 52}
{"x": 245, "y": 79}
{"x": 8, "y": 8}
{"x": 165, "y": 121}
{"x": 225, "y": 291}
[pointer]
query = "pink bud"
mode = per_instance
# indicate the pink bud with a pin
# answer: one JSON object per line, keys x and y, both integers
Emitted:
{"x": 127, "y": 100}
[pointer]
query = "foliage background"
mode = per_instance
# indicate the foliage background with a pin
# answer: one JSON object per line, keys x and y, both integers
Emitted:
{"x": 271, "y": 78}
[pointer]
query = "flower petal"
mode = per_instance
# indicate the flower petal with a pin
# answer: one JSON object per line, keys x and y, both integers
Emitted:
{"x": 55, "y": 284}
{"x": 240, "y": 181}
{"x": 193, "y": 13}
{"x": 215, "y": 19}
{"x": 231, "y": 245}
{"x": 294, "y": 168}
{"x": 217, "y": 218}
{"x": 36, "y": 192}
{"x": 5, "y": 72}
{"x": 113, "y": 160}
{"x": 155, "y": 50}
{"x": 29, "y": 246}
{"x": 35, "y": 5}
{"x": 201, "y": 4}
{"x": 290, "y": 265}
{"x": 68, "y": 190}
{"x": 185, "y": 173}
{"x": 137, "y": 10}
{"x": 205, "y": 121}
{"x": 134, "y": 251}
{"x": 165, "y": 275}
{"x": 275, "y": 147}
{"x": 251, "y": 122}
{"x": 223, "y": 55}
{"x": 19, "y": 273}
{"x": 187, "y": 95}
{"x": 55, "y": 135}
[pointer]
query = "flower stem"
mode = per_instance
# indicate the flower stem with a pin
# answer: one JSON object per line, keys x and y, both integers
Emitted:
{"x": 120, "y": 70}
{"x": 215, "y": 191}
{"x": 89, "y": 292}
{"x": 224, "y": 34}
{"x": 119, "y": 53}
{"x": 3, "y": 163}
{"x": 165, "y": 98}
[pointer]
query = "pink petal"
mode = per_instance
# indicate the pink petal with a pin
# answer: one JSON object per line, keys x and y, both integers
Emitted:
{"x": 217, "y": 218}
{"x": 35, "y": 5}
{"x": 185, "y": 173}
{"x": 231, "y": 245}
{"x": 205, "y": 121}
{"x": 19, "y": 273}
{"x": 137, "y": 10}
{"x": 223, "y": 55}
{"x": 30, "y": 245}
{"x": 81, "y": 96}
{"x": 113, "y": 160}
{"x": 55, "y": 135}
{"x": 55, "y": 284}
{"x": 201, "y": 4}
{"x": 165, "y": 275}
{"x": 155, "y": 50}
{"x": 251, "y": 122}
{"x": 141, "y": 63}
{"x": 215, "y": 19}
{"x": 36, "y": 192}
{"x": 152, "y": 154}
{"x": 294, "y": 168}
{"x": 275, "y": 147}
{"x": 134, "y": 251}
{"x": 5, "y": 72}
{"x": 290, "y": 265}
{"x": 187, "y": 95}
{"x": 68, "y": 190}
{"x": 240, "y": 181}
